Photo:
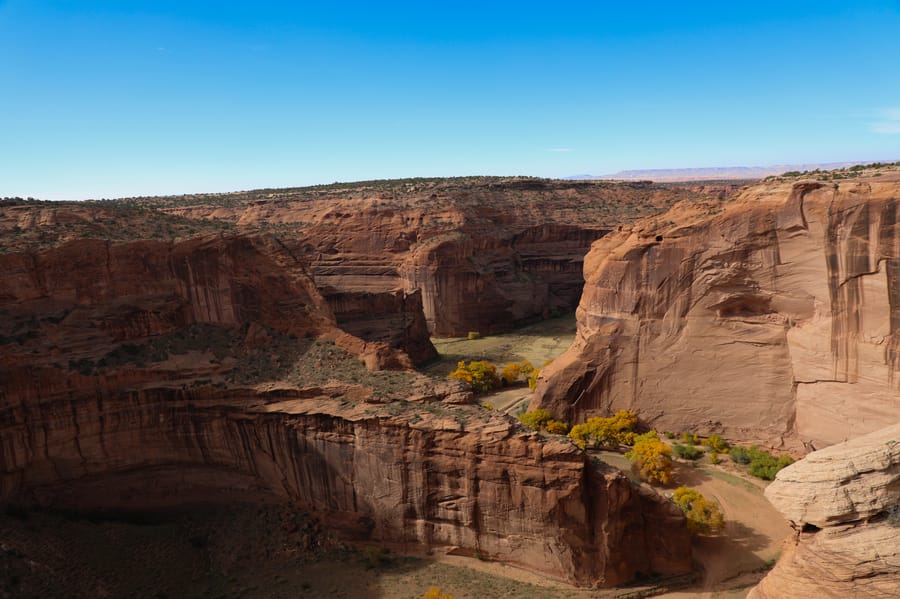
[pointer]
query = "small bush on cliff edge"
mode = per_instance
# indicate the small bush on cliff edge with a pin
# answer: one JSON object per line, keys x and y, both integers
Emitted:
{"x": 536, "y": 419}
{"x": 481, "y": 375}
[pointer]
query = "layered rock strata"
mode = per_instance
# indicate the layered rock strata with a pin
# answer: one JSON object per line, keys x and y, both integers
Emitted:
{"x": 369, "y": 475}
{"x": 844, "y": 502}
{"x": 774, "y": 318}
{"x": 151, "y": 373}
{"x": 487, "y": 254}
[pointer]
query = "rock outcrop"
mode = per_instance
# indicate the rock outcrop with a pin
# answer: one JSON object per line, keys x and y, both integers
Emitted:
{"x": 770, "y": 319}
{"x": 844, "y": 502}
{"x": 152, "y": 373}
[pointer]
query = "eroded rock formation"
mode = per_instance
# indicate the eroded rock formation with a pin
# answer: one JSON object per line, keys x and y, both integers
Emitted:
{"x": 151, "y": 373}
{"x": 843, "y": 502}
{"x": 487, "y": 254}
{"x": 774, "y": 318}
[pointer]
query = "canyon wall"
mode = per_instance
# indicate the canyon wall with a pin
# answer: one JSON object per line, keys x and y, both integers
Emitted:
{"x": 844, "y": 502}
{"x": 481, "y": 486}
{"x": 486, "y": 254}
{"x": 152, "y": 373}
{"x": 772, "y": 319}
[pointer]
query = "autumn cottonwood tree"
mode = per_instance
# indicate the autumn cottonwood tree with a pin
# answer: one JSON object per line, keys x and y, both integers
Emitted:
{"x": 652, "y": 458}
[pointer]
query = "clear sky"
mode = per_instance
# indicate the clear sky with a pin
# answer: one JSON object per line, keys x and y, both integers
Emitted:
{"x": 111, "y": 98}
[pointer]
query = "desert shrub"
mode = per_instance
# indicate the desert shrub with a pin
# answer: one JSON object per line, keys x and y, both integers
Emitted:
{"x": 515, "y": 370}
{"x": 893, "y": 516}
{"x": 670, "y": 435}
{"x": 375, "y": 557}
{"x": 714, "y": 457}
{"x": 703, "y": 515}
{"x": 473, "y": 335}
{"x": 557, "y": 427}
{"x": 686, "y": 452}
{"x": 533, "y": 378}
{"x": 487, "y": 406}
{"x": 689, "y": 438}
{"x": 609, "y": 432}
{"x": 739, "y": 455}
{"x": 478, "y": 374}
{"x": 436, "y": 593}
{"x": 716, "y": 443}
{"x": 651, "y": 458}
{"x": 764, "y": 465}
{"x": 536, "y": 419}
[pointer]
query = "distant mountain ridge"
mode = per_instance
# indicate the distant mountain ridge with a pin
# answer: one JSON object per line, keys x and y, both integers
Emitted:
{"x": 715, "y": 172}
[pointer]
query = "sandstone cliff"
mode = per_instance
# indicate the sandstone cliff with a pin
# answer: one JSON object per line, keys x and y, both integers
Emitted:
{"x": 486, "y": 254}
{"x": 843, "y": 501}
{"x": 773, "y": 318}
{"x": 151, "y": 373}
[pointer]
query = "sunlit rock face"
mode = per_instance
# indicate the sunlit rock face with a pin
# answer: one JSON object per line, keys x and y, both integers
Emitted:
{"x": 843, "y": 501}
{"x": 773, "y": 319}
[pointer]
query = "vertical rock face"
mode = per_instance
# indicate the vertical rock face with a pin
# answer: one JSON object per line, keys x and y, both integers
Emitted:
{"x": 146, "y": 373}
{"x": 774, "y": 319}
{"x": 483, "y": 487}
{"x": 843, "y": 501}
{"x": 486, "y": 254}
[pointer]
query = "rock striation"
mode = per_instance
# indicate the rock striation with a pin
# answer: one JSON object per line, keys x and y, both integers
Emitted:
{"x": 152, "y": 373}
{"x": 486, "y": 254}
{"x": 773, "y": 318}
{"x": 843, "y": 501}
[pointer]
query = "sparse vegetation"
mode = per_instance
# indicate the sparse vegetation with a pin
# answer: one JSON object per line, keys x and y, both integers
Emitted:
{"x": 536, "y": 419}
{"x": 716, "y": 443}
{"x": 703, "y": 515}
{"x": 686, "y": 452}
{"x": 436, "y": 593}
{"x": 762, "y": 464}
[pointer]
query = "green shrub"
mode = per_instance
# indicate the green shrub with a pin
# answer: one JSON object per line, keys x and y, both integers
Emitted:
{"x": 739, "y": 455}
{"x": 714, "y": 457}
{"x": 764, "y": 465}
{"x": 686, "y": 452}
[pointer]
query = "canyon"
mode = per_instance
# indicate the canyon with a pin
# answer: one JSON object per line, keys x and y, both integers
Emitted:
{"x": 262, "y": 347}
{"x": 147, "y": 373}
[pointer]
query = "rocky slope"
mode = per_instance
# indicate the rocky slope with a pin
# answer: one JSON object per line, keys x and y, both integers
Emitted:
{"x": 772, "y": 318}
{"x": 151, "y": 373}
{"x": 843, "y": 502}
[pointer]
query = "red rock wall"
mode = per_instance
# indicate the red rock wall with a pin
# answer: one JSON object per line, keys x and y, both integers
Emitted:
{"x": 772, "y": 320}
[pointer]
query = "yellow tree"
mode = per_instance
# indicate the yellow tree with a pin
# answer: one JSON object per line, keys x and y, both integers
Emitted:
{"x": 435, "y": 593}
{"x": 703, "y": 515}
{"x": 652, "y": 458}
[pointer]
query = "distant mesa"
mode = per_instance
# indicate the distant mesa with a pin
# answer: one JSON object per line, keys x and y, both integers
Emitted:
{"x": 714, "y": 173}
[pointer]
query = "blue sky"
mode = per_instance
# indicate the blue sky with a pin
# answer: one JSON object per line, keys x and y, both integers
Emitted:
{"x": 116, "y": 98}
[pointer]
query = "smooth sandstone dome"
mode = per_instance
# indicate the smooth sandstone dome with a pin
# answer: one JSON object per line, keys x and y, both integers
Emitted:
{"x": 843, "y": 501}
